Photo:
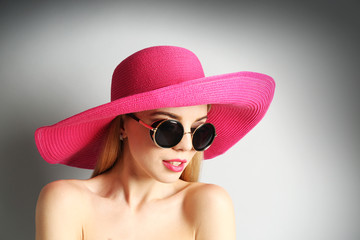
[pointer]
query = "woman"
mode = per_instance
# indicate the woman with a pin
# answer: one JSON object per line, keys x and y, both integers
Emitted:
{"x": 146, "y": 147}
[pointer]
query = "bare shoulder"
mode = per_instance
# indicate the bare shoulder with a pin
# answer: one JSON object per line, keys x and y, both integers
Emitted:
{"x": 210, "y": 192}
{"x": 210, "y": 209}
{"x": 59, "y": 210}
{"x": 61, "y": 192}
{"x": 63, "y": 185}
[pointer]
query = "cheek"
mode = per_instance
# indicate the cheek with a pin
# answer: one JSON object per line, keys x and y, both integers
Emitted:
{"x": 140, "y": 144}
{"x": 138, "y": 140}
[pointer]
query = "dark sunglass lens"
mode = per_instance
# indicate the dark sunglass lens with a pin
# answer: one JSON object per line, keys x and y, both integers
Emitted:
{"x": 203, "y": 137}
{"x": 154, "y": 125}
{"x": 169, "y": 133}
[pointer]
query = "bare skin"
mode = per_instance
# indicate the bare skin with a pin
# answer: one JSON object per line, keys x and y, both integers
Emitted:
{"x": 138, "y": 198}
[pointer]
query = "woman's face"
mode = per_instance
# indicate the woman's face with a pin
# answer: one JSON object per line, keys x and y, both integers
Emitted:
{"x": 146, "y": 160}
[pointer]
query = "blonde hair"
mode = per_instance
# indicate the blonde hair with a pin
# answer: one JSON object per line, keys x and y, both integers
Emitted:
{"x": 113, "y": 147}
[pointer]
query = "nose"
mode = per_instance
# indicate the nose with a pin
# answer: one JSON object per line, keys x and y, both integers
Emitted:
{"x": 186, "y": 143}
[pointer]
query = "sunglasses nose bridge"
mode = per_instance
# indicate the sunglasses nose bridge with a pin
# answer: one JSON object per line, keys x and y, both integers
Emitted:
{"x": 185, "y": 143}
{"x": 191, "y": 135}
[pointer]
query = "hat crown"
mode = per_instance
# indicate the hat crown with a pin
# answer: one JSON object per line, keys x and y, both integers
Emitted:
{"x": 153, "y": 68}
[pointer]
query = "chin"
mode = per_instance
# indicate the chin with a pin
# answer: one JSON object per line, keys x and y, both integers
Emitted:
{"x": 169, "y": 179}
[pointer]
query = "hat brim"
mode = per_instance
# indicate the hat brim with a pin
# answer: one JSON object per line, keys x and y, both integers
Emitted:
{"x": 239, "y": 101}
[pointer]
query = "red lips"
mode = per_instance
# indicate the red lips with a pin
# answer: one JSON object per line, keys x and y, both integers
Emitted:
{"x": 175, "y": 165}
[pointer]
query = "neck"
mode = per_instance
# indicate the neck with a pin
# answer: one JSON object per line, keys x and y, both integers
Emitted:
{"x": 135, "y": 189}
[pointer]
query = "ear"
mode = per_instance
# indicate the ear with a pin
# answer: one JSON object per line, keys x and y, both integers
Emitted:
{"x": 122, "y": 127}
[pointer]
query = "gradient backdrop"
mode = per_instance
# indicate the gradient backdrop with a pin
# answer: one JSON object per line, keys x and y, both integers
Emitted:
{"x": 294, "y": 177}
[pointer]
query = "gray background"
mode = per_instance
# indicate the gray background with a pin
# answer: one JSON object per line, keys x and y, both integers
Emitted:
{"x": 295, "y": 176}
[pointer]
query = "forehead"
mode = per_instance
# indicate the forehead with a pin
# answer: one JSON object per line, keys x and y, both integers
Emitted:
{"x": 187, "y": 112}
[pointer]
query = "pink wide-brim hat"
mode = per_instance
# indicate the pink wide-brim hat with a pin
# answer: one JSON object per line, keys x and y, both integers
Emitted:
{"x": 159, "y": 77}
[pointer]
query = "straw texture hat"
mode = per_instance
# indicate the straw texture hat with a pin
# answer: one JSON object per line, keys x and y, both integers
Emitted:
{"x": 159, "y": 77}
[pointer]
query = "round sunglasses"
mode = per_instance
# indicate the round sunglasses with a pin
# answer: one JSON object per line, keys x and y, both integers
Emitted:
{"x": 167, "y": 133}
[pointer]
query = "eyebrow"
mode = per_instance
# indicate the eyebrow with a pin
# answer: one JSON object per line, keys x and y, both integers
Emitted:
{"x": 174, "y": 116}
